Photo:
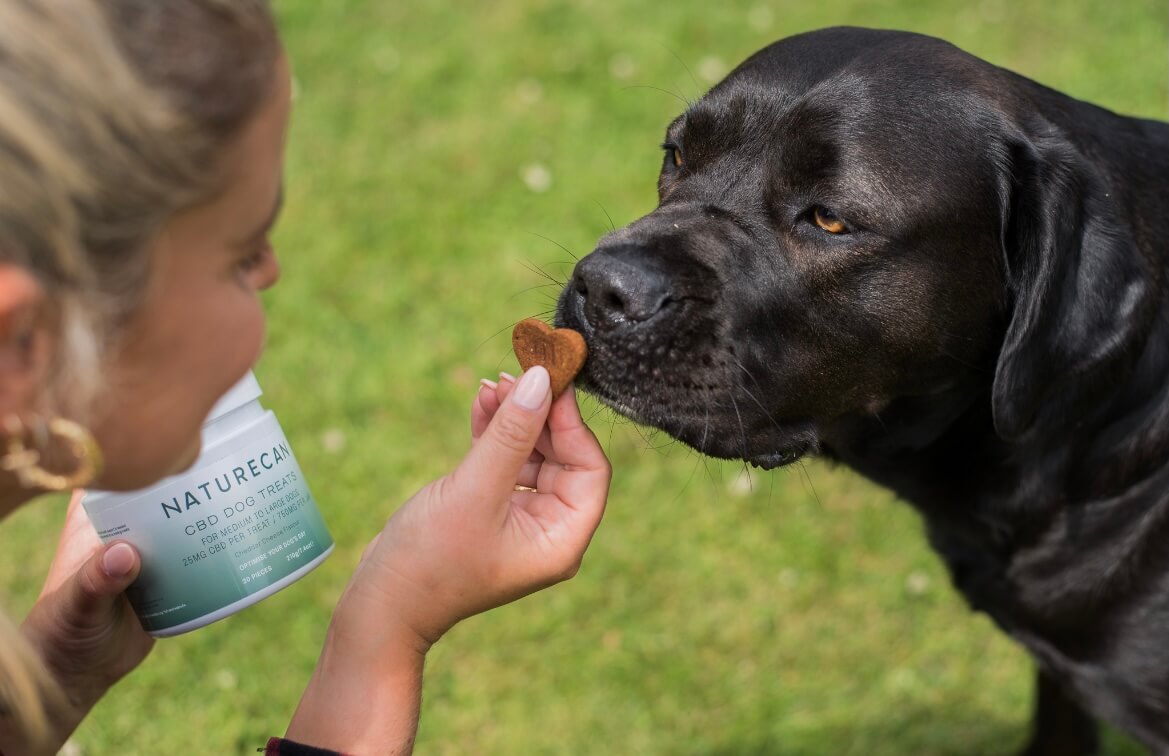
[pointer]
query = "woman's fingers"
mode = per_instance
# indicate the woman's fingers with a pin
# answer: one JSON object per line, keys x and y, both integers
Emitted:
{"x": 492, "y": 467}
{"x": 486, "y": 404}
{"x": 565, "y": 440}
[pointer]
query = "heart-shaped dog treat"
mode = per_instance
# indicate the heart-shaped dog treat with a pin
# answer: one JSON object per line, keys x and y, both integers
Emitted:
{"x": 561, "y": 350}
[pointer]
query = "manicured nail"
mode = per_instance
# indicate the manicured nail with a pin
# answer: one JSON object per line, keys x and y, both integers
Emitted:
{"x": 118, "y": 560}
{"x": 488, "y": 383}
{"x": 507, "y": 377}
{"x": 533, "y": 386}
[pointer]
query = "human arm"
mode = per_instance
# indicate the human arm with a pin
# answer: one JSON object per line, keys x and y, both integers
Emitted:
{"x": 468, "y": 542}
{"x": 82, "y": 627}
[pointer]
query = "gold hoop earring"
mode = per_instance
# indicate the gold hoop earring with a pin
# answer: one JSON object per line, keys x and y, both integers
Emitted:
{"x": 26, "y": 463}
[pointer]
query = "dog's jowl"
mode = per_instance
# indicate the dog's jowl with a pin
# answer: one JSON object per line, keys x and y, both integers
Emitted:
{"x": 874, "y": 247}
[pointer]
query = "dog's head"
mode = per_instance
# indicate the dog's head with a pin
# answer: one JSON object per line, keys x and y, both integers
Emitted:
{"x": 851, "y": 219}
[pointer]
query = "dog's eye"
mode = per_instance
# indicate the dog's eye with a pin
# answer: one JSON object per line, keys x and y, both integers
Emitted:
{"x": 673, "y": 154}
{"x": 828, "y": 220}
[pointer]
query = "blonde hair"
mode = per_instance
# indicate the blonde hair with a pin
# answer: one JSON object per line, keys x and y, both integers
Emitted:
{"x": 112, "y": 115}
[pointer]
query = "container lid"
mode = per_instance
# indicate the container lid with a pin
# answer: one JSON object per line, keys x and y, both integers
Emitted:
{"x": 247, "y": 390}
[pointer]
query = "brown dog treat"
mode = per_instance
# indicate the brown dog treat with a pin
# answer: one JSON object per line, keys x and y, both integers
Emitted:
{"x": 561, "y": 350}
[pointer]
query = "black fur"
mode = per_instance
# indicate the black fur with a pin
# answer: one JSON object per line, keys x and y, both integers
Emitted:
{"x": 989, "y": 338}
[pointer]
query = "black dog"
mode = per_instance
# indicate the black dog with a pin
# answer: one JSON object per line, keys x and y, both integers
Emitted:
{"x": 877, "y": 248}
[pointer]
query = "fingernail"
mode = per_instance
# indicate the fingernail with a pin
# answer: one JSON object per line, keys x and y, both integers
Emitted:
{"x": 507, "y": 377}
{"x": 529, "y": 393}
{"x": 488, "y": 383}
{"x": 118, "y": 560}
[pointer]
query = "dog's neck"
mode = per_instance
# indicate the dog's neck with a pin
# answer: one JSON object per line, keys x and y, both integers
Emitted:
{"x": 941, "y": 453}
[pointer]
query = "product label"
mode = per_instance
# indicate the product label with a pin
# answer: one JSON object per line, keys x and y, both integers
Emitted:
{"x": 219, "y": 533}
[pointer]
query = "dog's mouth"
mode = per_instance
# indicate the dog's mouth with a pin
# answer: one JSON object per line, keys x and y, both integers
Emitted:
{"x": 704, "y": 423}
{"x": 697, "y": 392}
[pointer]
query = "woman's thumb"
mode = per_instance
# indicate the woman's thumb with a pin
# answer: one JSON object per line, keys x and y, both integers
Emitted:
{"x": 104, "y": 576}
{"x": 494, "y": 462}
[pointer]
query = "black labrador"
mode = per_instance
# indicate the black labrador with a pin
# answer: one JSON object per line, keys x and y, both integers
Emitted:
{"x": 874, "y": 247}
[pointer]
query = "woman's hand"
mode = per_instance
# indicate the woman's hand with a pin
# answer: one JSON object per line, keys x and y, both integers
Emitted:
{"x": 82, "y": 625}
{"x": 515, "y": 516}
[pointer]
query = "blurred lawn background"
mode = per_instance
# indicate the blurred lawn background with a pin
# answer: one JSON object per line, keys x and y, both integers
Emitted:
{"x": 445, "y": 155}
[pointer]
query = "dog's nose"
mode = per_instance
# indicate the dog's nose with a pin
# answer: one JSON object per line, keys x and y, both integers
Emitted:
{"x": 620, "y": 285}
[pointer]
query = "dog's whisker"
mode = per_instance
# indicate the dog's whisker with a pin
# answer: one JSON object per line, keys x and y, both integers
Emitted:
{"x": 675, "y": 95}
{"x": 566, "y": 250}
{"x": 742, "y": 428}
{"x": 530, "y": 289}
{"x": 689, "y": 478}
{"x": 709, "y": 473}
{"x": 702, "y": 445}
{"x": 771, "y": 490}
{"x": 689, "y": 72}
{"x": 658, "y": 447}
{"x": 534, "y": 268}
{"x": 496, "y": 335}
{"x": 752, "y": 396}
{"x": 541, "y": 314}
{"x": 705, "y": 428}
{"x": 750, "y": 477}
{"x": 612, "y": 225}
{"x": 808, "y": 479}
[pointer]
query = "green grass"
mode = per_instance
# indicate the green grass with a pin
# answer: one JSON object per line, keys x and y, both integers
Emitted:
{"x": 802, "y": 614}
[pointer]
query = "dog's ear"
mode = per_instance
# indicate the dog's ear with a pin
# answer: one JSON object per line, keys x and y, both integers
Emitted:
{"x": 1079, "y": 290}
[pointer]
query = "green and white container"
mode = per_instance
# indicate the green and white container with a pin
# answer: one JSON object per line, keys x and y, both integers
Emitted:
{"x": 235, "y": 528}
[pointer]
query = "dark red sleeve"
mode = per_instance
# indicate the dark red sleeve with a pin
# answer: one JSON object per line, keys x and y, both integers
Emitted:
{"x": 282, "y": 747}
